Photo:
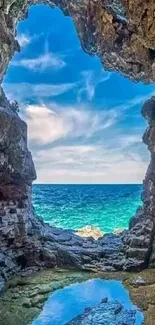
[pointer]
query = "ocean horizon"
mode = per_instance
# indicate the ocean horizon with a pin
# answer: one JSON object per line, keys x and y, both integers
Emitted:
{"x": 74, "y": 206}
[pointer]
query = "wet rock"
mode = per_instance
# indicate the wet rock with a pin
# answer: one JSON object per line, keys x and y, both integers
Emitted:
{"x": 109, "y": 313}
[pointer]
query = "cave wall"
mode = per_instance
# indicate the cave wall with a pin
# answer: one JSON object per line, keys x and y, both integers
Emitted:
{"x": 121, "y": 33}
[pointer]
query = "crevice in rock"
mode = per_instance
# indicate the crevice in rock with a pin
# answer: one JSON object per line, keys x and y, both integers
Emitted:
{"x": 152, "y": 54}
{"x": 22, "y": 261}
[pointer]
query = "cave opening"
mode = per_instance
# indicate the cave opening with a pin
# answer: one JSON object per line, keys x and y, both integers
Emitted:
{"x": 84, "y": 129}
{"x": 82, "y": 126}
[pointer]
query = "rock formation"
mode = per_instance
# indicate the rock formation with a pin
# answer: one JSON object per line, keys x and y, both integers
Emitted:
{"x": 122, "y": 34}
{"x": 139, "y": 240}
{"x": 90, "y": 231}
{"x": 110, "y": 313}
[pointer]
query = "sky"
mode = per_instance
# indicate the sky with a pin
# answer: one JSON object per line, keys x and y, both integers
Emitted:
{"x": 84, "y": 123}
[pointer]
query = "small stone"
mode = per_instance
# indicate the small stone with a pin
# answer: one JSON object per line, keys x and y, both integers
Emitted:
{"x": 105, "y": 300}
{"x": 26, "y": 303}
{"x": 139, "y": 281}
{"x": 37, "y": 300}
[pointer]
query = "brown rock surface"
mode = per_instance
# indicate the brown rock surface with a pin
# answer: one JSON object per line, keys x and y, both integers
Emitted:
{"x": 90, "y": 231}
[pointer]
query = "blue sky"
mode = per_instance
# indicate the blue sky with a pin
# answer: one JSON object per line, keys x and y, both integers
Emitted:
{"x": 84, "y": 123}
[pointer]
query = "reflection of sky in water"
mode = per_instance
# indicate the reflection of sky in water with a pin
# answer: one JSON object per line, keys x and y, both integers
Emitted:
{"x": 67, "y": 303}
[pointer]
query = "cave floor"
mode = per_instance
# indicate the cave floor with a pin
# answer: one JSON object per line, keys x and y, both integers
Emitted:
{"x": 24, "y": 296}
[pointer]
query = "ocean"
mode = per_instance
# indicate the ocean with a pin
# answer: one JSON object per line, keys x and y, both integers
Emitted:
{"x": 108, "y": 207}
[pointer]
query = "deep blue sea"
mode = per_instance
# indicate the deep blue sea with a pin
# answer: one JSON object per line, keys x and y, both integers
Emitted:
{"x": 74, "y": 206}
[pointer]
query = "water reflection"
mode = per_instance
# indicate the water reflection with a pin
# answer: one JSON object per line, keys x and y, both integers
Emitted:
{"x": 67, "y": 303}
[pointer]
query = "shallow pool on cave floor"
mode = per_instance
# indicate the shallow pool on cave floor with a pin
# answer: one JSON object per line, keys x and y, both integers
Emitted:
{"x": 65, "y": 304}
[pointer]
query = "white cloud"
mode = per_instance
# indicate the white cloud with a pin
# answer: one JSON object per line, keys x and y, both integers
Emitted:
{"x": 24, "y": 91}
{"x": 47, "y": 124}
{"x": 41, "y": 63}
{"x": 88, "y": 164}
{"x": 116, "y": 160}
{"x": 24, "y": 39}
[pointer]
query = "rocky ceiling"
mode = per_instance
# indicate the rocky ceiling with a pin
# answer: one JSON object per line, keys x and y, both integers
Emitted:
{"x": 120, "y": 32}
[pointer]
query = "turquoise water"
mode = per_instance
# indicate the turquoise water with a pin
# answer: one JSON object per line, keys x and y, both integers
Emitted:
{"x": 65, "y": 304}
{"x": 75, "y": 206}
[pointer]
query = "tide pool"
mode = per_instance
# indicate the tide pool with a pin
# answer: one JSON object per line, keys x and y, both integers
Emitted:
{"x": 65, "y": 304}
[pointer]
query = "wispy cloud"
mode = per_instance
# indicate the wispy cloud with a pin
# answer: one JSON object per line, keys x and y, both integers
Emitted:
{"x": 137, "y": 100}
{"x": 82, "y": 136}
{"x": 24, "y": 39}
{"x": 41, "y": 63}
{"x": 88, "y": 164}
{"x": 24, "y": 91}
{"x": 129, "y": 140}
{"x": 48, "y": 124}
{"x": 76, "y": 157}
{"x": 90, "y": 81}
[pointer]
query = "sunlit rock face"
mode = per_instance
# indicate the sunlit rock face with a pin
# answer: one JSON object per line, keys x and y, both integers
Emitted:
{"x": 122, "y": 34}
